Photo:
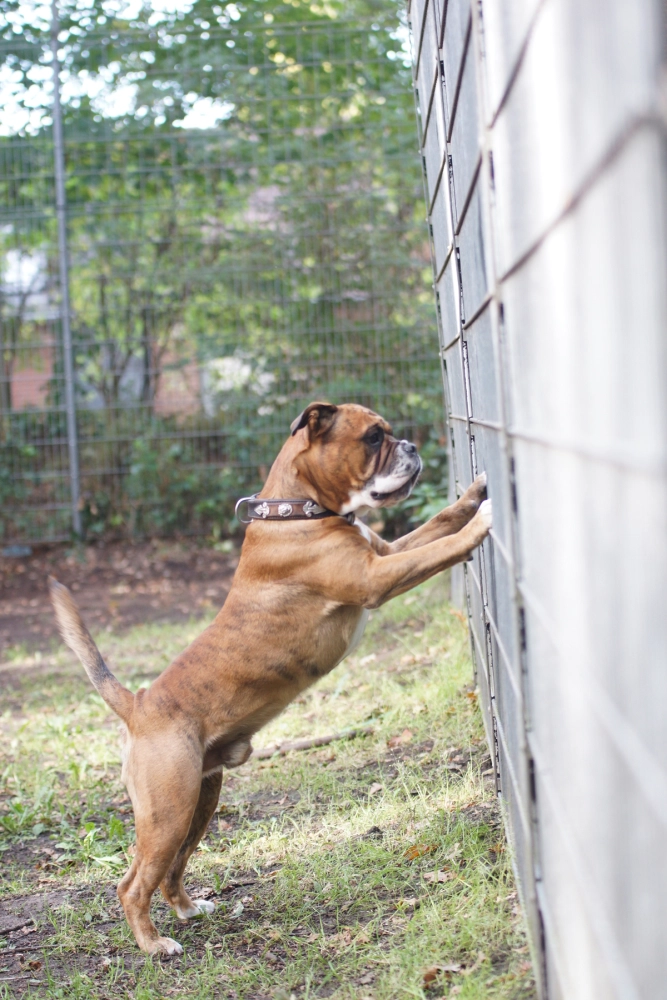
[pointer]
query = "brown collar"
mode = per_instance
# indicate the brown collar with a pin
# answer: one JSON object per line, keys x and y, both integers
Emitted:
{"x": 284, "y": 510}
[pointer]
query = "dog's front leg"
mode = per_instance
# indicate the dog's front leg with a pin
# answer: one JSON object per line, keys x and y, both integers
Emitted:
{"x": 385, "y": 576}
{"x": 448, "y": 521}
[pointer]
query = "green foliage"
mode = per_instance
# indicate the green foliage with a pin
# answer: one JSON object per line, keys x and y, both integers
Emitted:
{"x": 166, "y": 492}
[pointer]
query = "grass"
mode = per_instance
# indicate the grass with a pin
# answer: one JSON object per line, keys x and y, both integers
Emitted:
{"x": 370, "y": 868}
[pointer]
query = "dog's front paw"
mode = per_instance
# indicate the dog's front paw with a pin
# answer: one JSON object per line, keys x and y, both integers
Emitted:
{"x": 485, "y": 514}
{"x": 480, "y": 526}
{"x": 476, "y": 492}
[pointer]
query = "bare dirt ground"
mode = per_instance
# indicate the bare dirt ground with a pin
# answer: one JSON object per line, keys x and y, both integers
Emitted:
{"x": 117, "y": 586}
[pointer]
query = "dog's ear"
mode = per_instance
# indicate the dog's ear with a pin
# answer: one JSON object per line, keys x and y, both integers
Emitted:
{"x": 317, "y": 417}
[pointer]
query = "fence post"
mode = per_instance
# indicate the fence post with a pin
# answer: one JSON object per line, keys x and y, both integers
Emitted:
{"x": 61, "y": 214}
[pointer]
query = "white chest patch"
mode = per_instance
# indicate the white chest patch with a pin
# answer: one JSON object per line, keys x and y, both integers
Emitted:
{"x": 364, "y": 529}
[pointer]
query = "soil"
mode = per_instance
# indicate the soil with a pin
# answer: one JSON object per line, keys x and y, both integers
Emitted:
{"x": 116, "y": 585}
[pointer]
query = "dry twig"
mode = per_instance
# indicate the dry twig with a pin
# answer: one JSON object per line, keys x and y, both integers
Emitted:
{"x": 315, "y": 741}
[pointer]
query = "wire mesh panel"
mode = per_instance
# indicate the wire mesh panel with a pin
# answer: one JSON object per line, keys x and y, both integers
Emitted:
{"x": 34, "y": 471}
{"x": 543, "y": 139}
{"x": 245, "y": 234}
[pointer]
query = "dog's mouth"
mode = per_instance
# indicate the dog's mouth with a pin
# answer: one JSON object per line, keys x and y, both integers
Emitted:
{"x": 401, "y": 492}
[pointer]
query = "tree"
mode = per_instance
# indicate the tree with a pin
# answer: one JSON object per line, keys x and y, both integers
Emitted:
{"x": 287, "y": 235}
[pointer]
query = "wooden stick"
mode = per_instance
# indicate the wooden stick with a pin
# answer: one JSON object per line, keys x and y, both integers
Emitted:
{"x": 315, "y": 741}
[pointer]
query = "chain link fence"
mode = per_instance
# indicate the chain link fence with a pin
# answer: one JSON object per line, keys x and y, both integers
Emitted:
{"x": 543, "y": 135}
{"x": 239, "y": 231}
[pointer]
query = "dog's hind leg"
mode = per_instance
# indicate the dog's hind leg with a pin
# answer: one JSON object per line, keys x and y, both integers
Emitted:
{"x": 164, "y": 785}
{"x": 172, "y": 884}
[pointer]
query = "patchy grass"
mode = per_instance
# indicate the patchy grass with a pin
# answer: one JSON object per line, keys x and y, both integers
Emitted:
{"x": 370, "y": 868}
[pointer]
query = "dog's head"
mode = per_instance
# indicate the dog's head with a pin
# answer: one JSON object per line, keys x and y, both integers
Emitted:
{"x": 351, "y": 458}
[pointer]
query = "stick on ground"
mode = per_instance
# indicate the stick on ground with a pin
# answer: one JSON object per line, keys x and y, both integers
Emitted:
{"x": 314, "y": 741}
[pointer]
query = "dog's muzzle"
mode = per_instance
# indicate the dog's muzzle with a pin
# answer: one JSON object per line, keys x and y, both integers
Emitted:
{"x": 399, "y": 480}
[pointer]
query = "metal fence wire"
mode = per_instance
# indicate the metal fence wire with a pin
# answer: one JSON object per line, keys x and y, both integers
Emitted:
{"x": 230, "y": 226}
{"x": 543, "y": 136}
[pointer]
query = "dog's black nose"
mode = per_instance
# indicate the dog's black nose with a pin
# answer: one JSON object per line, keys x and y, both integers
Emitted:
{"x": 409, "y": 447}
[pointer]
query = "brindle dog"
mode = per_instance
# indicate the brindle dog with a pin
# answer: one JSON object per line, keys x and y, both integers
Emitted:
{"x": 297, "y": 606}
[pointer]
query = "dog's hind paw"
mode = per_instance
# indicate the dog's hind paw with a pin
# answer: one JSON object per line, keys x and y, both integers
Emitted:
{"x": 204, "y": 905}
{"x": 196, "y": 908}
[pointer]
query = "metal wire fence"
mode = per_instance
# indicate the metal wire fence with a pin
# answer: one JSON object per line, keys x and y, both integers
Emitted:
{"x": 243, "y": 233}
{"x": 544, "y": 139}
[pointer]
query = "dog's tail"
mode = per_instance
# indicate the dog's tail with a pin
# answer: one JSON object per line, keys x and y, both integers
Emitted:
{"x": 78, "y": 638}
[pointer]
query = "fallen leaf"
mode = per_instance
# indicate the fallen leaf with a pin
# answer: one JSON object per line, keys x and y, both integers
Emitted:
{"x": 418, "y": 850}
{"x": 395, "y": 741}
{"x": 35, "y": 964}
{"x": 431, "y": 975}
{"x": 441, "y": 876}
{"x": 375, "y": 787}
{"x": 237, "y": 911}
{"x": 341, "y": 940}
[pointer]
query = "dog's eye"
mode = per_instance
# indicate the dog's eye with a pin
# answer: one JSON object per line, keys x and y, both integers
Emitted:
{"x": 375, "y": 437}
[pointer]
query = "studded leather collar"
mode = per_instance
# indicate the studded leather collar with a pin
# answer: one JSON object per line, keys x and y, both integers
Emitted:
{"x": 284, "y": 510}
